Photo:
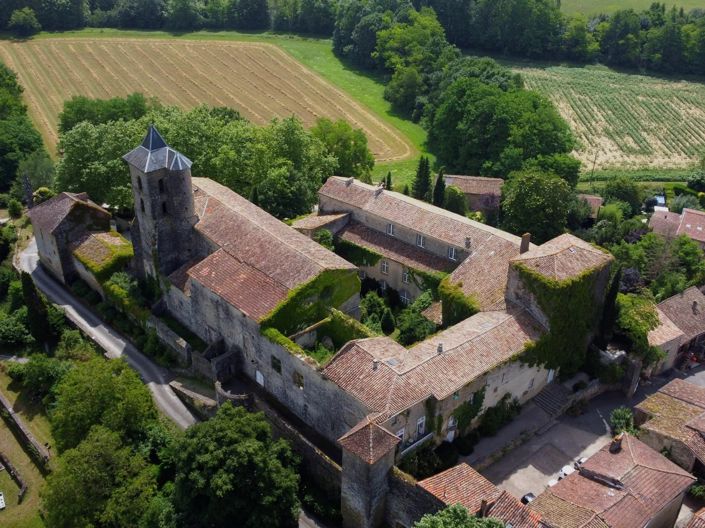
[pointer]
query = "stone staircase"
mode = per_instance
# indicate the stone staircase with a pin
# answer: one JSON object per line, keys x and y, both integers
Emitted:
{"x": 554, "y": 399}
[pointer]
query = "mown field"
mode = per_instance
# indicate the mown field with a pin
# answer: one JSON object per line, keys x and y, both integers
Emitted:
{"x": 626, "y": 121}
{"x": 592, "y": 7}
{"x": 258, "y": 79}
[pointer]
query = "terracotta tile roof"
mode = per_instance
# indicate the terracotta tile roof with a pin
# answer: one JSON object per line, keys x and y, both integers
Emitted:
{"x": 179, "y": 277}
{"x": 251, "y": 291}
{"x": 665, "y": 223}
{"x": 564, "y": 257}
{"x": 434, "y": 313}
{"x": 644, "y": 482}
{"x": 558, "y": 513}
{"x": 463, "y": 485}
{"x": 368, "y": 441}
{"x": 394, "y": 249}
{"x": 665, "y": 332}
{"x": 687, "y": 311}
{"x": 595, "y": 202}
{"x": 512, "y": 512}
{"x": 692, "y": 224}
{"x": 317, "y": 221}
{"x": 402, "y": 377}
{"x": 96, "y": 247}
{"x": 685, "y": 391}
{"x": 696, "y": 444}
{"x": 669, "y": 415}
{"x": 698, "y": 519}
{"x": 48, "y": 215}
{"x": 475, "y": 184}
{"x": 414, "y": 214}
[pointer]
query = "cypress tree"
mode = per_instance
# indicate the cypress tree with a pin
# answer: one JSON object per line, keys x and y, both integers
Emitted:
{"x": 439, "y": 190}
{"x": 421, "y": 188}
{"x": 405, "y": 191}
{"x": 387, "y": 322}
{"x": 37, "y": 314}
{"x": 254, "y": 196}
{"x": 388, "y": 181}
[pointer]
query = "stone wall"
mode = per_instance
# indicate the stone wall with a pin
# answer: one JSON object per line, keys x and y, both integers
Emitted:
{"x": 407, "y": 502}
{"x": 679, "y": 453}
{"x": 15, "y": 476}
{"x": 36, "y": 450}
{"x": 177, "y": 345}
{"x": 86, "y": 276}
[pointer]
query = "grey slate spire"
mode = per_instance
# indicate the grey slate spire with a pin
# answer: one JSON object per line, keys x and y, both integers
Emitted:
{"x": 154, "y": 154}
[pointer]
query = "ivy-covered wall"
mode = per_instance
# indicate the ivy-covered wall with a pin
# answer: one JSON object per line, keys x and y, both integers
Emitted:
{"x": 342, "y": 328}
{"x": 355, "y": 254}
{"x": 455, "y": 305}
{"x": 573, "y": 308}
{"x": 310, "y": 302}
{"x": 110, "y": 258}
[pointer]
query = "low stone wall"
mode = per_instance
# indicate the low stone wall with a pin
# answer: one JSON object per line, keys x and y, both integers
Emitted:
{"x": 37, "y": 451}
{"x": 15, "y": 476}
{"x": 203, "y": 406}
{"x": 407, "y": 502}
{"x": 87, "y": 277}
{"x": 180, "y": 349}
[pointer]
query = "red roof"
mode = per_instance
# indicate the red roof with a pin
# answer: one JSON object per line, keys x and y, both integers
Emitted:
{"x": 692, "y": 224}
{"x": 687, "y": 311}
{"x": 475, "y": 185}
{"x": 463, "y": 485}
{"x": 48, "y": 215}
{"x": 698, "y": 519}
{"x": 512, "y": 512}
{"x": 368, "y": 441}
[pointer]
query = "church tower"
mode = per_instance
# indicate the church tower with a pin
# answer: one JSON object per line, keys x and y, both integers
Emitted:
{"x": 164, "y": 208}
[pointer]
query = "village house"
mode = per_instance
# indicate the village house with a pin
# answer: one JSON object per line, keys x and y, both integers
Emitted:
{"x": 481, "y": 193}
{"x": 595, "y": 202}
{"x": 626, "y": 483}
{"x": 690, "y": 223}
{"x": 673, "y": 419}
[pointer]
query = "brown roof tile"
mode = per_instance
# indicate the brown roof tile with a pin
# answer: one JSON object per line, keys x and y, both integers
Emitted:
{"x": 685, "y": 391}
{"x": 317, "y": 221}
{"x": 665, "y": 223}
{"x": 665, "y": 332}
{"x": 48, "y": 215}
{"x": 595, "y": 202}
{"x": 558, "y": 513}
{"x": 669, "y": 415}
{"x": 477, "y": 185}
{"x": 564, "y": 257}
{"x": 394, "y": 249}
{"x": 368, "y": 441}
{"x": 692, "y": 224}
{"x": 512, "y": 512}
{"x": 698, "y": 519}
{"x": 463, "y": 485}
{"x": 687, "y": 311}
{"x": 403, "y": 376}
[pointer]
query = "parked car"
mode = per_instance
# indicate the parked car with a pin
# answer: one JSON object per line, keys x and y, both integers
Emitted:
{"x": 526, "y": 499}
{"x": 565, "y": 471}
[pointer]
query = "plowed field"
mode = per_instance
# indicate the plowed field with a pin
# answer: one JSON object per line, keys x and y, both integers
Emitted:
{"x": 258, "y": 79}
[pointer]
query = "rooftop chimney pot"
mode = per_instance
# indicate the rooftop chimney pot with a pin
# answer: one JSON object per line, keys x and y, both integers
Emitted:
{"x": 525, "y": 242}
{"x": 468, "y": 242}
{"x": 440, "y": 348}
{"x": 375, "y": 364}
{"x": 696, "y": 309}
{"x": 616, "y": 445}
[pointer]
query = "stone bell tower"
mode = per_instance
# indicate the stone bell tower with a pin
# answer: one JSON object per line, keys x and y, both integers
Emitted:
{"x": 162, "y": 231}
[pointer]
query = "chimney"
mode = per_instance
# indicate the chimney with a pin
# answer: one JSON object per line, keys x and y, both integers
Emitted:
{"x": 696, "y": 309}
{"x": 440, "y": 348}
{"x": 484, "y": 508}
{"x": 468, "y": 242}
{"x": 525, "y": 241}
{"x": 379, "y": 188}
{"x": 375, "y": 364}
{"x": 616, "y": 445}
{"x": 349, "y": 181}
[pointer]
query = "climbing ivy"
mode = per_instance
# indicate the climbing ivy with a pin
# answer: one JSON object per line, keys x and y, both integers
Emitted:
{"x": 102, "y": 258}
{"x": 573, "y": 313}
{"x": 428, "y": 281}
{"x": 355, "y": 254}
{"x": 636, "y": 317}
{"x": 467, "y": 411}
{"x": 455, "y": 305}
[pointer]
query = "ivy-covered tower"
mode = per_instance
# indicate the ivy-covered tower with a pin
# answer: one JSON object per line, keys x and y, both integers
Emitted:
{"x": 164, "y": 208}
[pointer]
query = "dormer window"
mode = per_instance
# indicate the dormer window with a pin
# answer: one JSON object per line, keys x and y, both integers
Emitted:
{"x": 390, "y": 229}
{"x": 452, "y": 253}
{"x": 420, "y": 240}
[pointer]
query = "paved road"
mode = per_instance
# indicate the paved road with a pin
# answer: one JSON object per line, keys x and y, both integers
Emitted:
{"x": 156, "y": 377}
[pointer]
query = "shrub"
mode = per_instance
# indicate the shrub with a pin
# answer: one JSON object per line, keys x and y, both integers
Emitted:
{"x": 14, "y": 207}
{"x": 42, "y": 194}
{"x": 24, "y": 22}
{"x": 324, "y": 238}
{"x": 7, "y": 275}
{"x": 499, "y": 415}
{"x": 14, "y": 295}
{"x": 387, "y": 322}
{"x": 465, "y": 444}
{"x": 684, "y": 201}
{"x": 73, "y": 346}
{"x": 698, "y": 491}
{"x": 622, "y": 420}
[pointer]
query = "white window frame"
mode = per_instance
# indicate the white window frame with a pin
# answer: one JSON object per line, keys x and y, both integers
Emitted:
{"x": 390, "y": 229}
{"x": 384, "y": 267}
{"x": 405, "y": 297}
{"x": 421, "y": 427}
{"x": 400, "y": 433}
{"x": 406, "y": 276}
{"x": 420, "y": 240}
{"x": 452, "y": 253}
{"x": 383, "y": 285}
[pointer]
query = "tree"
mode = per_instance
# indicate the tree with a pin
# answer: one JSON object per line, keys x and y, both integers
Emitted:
{"x": 421, "y": 187}
{"x": 624, "y": 189}
{"x": 18, "y": 139}
{"x": 388, "y": 181}
{"x": 622, "y": 420}
{"x": 96, "y": 111}
{"x": 41, "y": 374}
{"x": 182, "y": 14}
{"x": 325, "y": 238}
{"x": 413, "y": 326}
{"x": 100, "y": 482}
{"x": 249, "y": 14}
{"x": 24, "y": 22}
{"x": 455, "y": 200}
{"x": 456, "y": 516}
{"x": 286, "y": 193}
{"x": 14, "y": 207}
{"x": 37, "y": 312}
{"x": 347, "y": 145}
{"x": 439, "y": 190}
{"x": 73, "y": 346}
{"x": 38, "y": 168}
{"x": 387, "y": 322}
{"x": 119, "y": 401}
{"x": 684, "y": 201}
{"x": 536, "y": 203}
{"x": 231, "y": 472}
{"x": 579, "y": 43}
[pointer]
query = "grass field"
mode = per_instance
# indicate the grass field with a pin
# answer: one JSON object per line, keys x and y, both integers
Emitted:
{"x": 258, "y": 79}
{"x": 593, "y": 7}
{"x": 625, "y": 121}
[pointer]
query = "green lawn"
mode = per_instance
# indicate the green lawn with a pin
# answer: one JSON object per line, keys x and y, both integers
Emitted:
{"x": 316, "y": 54}
{"x": 592, "y": 7}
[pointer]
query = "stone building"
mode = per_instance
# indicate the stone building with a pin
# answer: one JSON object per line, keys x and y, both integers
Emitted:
{"x": 626, "y": 483}
{"x": 673, "y": 419}
{"x": 481, "y": 193}
{"x": 690, "y": 223}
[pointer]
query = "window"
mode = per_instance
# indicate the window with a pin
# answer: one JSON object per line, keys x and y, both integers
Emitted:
{"x": 142, "y": 204}
{"x": 298, "y": 380}
{"x": 383, "y": 285}
{"x": 276, "y": 365}
{"x": 161, "y": 186}
{"x": 420, "y": 240}
{"x": 385, "y": 267}
{"x": 390, "y": 229}
{"x": 421, "y": 426}
{"x": 400, "y": 434}
{"x": 452, "y": 254}
{"x": 139, "y": 183}
{"x": 405, "y": 298}
{"x": 406, "y": 276}
{"x": 164, "y": 207}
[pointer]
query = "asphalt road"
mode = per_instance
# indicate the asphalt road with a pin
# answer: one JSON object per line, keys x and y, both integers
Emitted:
{"x": 154, "y": 376}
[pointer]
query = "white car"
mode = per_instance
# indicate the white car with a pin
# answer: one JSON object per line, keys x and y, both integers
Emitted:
{"x": 2, "y": 501}
{"x": 565, "y": 471}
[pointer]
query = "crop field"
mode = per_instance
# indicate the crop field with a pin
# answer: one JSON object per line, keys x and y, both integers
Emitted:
{"x": 623, "y": 120}
{"x": 258, "y": 79}
{"x": 593, "y": 7}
